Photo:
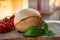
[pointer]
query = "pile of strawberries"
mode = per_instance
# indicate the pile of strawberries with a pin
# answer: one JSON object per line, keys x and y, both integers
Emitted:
{"x": 7, "y": 25}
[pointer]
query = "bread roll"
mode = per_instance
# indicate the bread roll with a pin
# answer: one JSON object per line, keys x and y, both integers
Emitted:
{"x": 26, "y": 19}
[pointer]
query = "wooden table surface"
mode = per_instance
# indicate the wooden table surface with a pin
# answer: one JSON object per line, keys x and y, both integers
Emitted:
{"x": 36, "y": 38}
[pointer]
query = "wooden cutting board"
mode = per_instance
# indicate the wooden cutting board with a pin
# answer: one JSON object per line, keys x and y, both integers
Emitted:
{"x": 14, "y": 35}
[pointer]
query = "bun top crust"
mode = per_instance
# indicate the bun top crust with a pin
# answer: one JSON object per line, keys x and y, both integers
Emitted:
{"x": 25, "y": 13}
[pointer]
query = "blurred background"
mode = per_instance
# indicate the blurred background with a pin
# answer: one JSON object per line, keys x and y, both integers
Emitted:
{"x": 49, "y": 9}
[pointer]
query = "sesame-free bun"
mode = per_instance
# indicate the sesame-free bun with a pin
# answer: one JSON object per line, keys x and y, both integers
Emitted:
{"x": 26, "y": 19}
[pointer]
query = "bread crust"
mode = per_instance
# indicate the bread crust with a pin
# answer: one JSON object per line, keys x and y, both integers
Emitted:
{"x": 33, "y": 20}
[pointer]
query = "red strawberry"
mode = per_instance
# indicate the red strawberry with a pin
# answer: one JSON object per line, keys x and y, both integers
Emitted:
{"x": 2, "y": 28}
{"x": 5, "y": 20}
{"x": 9, "y": 26}
{"x": 12, "y": 18}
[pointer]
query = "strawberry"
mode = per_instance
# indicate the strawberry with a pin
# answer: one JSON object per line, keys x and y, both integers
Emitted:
{"x": 2, "y": 28}
{"x": 12, "y": 18}
{"x": 5, "y": 20}
{"x": 9, "y": 26}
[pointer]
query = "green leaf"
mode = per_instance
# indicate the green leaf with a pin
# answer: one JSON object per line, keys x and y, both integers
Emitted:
{"x": 49, "y": 33}
{"x": 34, "y": 32}
{"x": 44, "y": 25}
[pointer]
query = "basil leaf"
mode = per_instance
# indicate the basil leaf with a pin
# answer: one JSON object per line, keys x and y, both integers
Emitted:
{"x": 50, "y": 33}
{"x": 44, "y": 25}
{"x": 47, "y": 31}
{"x": 34, "y": 32}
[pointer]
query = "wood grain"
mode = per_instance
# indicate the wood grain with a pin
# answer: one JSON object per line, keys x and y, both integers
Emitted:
{"x": 36, "y": 38}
